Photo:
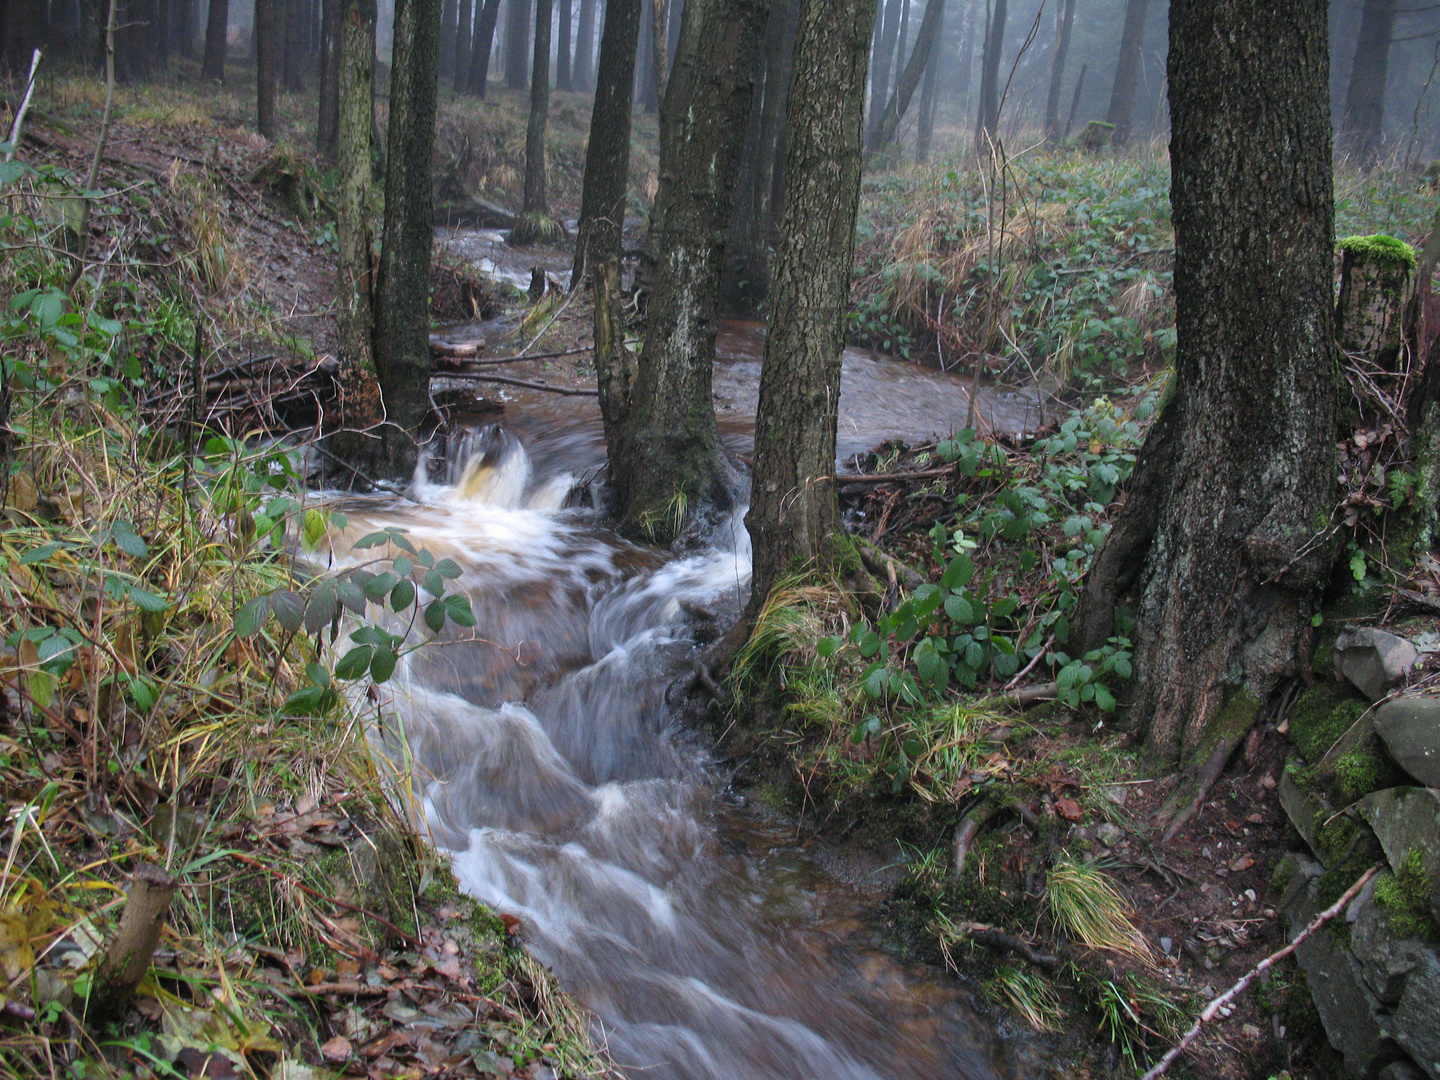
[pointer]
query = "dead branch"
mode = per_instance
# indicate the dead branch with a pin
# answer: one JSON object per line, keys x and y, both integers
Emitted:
{"x": 885, "y": 478}
{"x": 1208, "y": 1013}
{"x": 128, "y": 957}
{"x": 472, "y": 376}
{"x": 998, "y": 939}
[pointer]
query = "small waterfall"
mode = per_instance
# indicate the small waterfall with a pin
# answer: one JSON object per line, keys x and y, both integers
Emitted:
{"x": 703, "y": 940}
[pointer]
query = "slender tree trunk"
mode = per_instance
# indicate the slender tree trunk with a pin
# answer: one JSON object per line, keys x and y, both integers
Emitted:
{"x": 464, "y": 42}
{"x": 1127, "y": 71}
{"x": 517, "y": 42}
{"x": 582, "y": 74}
{"x": 361, "y": 410}
{"x": 659, "y": 39}
{"x": 607, "y": 157}
{"x": 563, "y": 48}
{"x": 1074, "y": 102}
{"x": 889, "y": 16}
{"x": 793, "y": 509}
{"x": 217, "y": 24}
{"x": 267, "y": 67}
{"x": 887, "y": 129}
{"x": 1362, "y": 127}
{"x": 645, "y": 62}
{"x": 966, "y": 73}
{"x": 987, "y": 120}
{"x": 326, "y": 129}
{"x": 295, "y": 46}
{"x": 449, "y": 31}
{"x": 535, "y": 224}
{"x": 402, "y": 311}
{"x": 670, "y": 461}
{"x": 902, "y": 44}
{"x": 1064, "y": 24}
{"x": 1221, "y": 540}
{"x": 925, "y": 130}
{"x": 484, "y": 42}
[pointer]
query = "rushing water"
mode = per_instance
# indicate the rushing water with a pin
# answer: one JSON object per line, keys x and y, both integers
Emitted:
{"x": 704, "y": 939}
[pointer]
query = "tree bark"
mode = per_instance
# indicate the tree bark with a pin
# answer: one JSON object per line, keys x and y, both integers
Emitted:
{"x": 517, "y": 42}
{"x": 464, "y": 42}
{"x": 793, "y": 509}
{"x": 887, "y": 128}
{"x": 217, "y": 24}
{"x": 607, "y": 157}
{"x": 670, "y": 462}
{"x": 563, "y": 47}
{"x": 402, "y": 309}
{"x": 535, "y": 224}
{"x": 267, "y": 66}
{"x": 326, "y": 128}
{"x": 987, "y": 119}
{"x": 480, "y": 53}
{"x": 1362, "y": 127}
{"x": 582, "y": 74}
{"x": 1229, "y": 507}
{"x": 1064, "y": 24}
{"x": 1127, "y": 71}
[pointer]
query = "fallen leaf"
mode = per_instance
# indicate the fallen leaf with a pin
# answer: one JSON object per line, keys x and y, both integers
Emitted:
{"x": 337, "y": 1050}
{"x": 1243, "y": 863}
{"x": 512, "y": 924}
{"x": 1068, "y": 809}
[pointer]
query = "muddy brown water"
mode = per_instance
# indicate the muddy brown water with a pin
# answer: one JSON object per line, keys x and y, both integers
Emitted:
{"x": 706, "y": 942}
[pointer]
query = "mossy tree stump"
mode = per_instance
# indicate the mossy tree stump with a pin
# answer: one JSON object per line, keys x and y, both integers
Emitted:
{"x": 1374, "y": 273}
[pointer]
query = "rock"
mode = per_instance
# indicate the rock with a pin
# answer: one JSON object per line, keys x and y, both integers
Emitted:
{"x": 473, "y": 212}
{"x": 1410, "y": 729}
{"x": 1385, "y": 960}
{"x": 1374, "y": 661}
{"x": 1404, "y": 819}
{"x": 1416, "y": 1023}
{"x": 1109, "y": 833}
{"x": 1302, "y": 808}
{"x": 1400, "y": 1070}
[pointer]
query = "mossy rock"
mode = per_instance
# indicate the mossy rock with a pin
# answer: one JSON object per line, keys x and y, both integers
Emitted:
{"x": 1405, "y": 896}
{"x": 1321, "y": 717}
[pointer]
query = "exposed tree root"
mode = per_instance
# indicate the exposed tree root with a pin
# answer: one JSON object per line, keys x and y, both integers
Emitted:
{"x": 965, "y": 833}
{"x": 998, "y": 939}
{"x": 1199, "y": 776}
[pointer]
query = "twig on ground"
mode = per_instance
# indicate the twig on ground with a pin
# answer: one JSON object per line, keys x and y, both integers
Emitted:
{"x": 472, "y": 376}
{"x": 1216, "y": 1004}
{"x": 997, "y": 939}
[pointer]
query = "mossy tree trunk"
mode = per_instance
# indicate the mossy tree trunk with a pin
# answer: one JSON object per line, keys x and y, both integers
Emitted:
{"x": 607, "y": 157}
{"x": 670, "y": 460}
{"x": 1374, "y": 273}
{"x": 793, "y": 508}
{"x": 1127, "y": 71}
{"x": 1221, "y": 541}
{"x": 402, "y": 308}
{"x": 327, "y": 125}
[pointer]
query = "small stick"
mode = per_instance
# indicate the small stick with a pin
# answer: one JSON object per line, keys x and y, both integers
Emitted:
{"x": 1208, "y": 1013}
{"x": 472, "y": 376}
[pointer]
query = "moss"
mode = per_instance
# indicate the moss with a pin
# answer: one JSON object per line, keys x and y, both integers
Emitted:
{"x": 1362, "y": 771}
{"x": 1378, "y": 248}
{"x": 1320, "y": 717}
{"x": 1405, "y": 896}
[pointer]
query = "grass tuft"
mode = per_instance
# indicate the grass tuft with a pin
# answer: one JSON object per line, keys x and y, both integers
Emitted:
{"x": 1087, "y": 907}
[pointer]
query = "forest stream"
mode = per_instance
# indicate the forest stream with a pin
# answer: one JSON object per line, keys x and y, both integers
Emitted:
{"x": 696, "y": 928}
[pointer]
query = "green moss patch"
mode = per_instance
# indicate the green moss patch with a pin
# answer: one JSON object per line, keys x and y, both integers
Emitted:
{"x": 1405, "y": 896}
{"x": 1320, "y": 717}
{"x": 1378, "y": 248}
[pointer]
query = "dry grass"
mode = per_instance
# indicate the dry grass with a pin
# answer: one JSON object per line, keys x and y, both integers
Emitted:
{"x": 1087, "y": 907}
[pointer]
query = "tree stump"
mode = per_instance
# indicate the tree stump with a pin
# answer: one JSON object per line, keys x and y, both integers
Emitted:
{"x": 128, "y": 957}
{"x": 1374, "y": 273}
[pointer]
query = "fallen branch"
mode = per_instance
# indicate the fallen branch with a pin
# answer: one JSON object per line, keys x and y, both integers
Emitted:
{"x": 1208, "y": 1013}
{"x": 998, "y": 939}
{"x": 472, "y": 376}
{"x": 885, "y": 478}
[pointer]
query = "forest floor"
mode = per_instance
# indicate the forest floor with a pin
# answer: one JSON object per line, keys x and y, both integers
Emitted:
{"x": 291, "y": 953}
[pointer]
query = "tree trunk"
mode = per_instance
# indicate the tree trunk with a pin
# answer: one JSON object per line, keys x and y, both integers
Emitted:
{"x": 517, "y": 42}
{"x": 217, "y": 24}
{"x": 402, "y": 309}
{"x": 1229, "y": 507}
{"x": 294, "y": 46}
{"x": 987, "y": 119}
{"x": 449, "y": 31}
{"x": 966, "y": 67}
{"x": 607, "y": 157}
{"x": 659, "y": 39}
{"x": 535, "y": 224}
{"x": 267, "y": 67}
{"x": 563, "y": 47}
{"x": 326, "y": 129}
{"x": 887, "y": 128}
{"x": 889, "y": 16}
{"x": 582, "y": 74}
{"x": 127, "y": 958}
{"x": 464, "y": 40}
{"x": 793, "y": 509}
{"x": 1362, "y": 127}
{"x": 1064, "y": 24}
{"x": 670, "y": 460}
{"x": 480, "y": 53}
{"x": 925, "y": 129}
{"x": 1127, "y": 71}
{"x": 360, "y": 401}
